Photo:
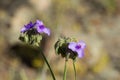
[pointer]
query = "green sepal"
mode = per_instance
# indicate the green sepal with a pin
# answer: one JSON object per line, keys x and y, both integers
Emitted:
{"x": 31, "y": 37}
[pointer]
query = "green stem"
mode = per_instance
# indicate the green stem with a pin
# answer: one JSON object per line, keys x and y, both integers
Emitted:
{"x": 65, "y": 70}
{"x": 65, "y": 67}
{"x": 74, "y": 69}
{"x": 47, "y": 65}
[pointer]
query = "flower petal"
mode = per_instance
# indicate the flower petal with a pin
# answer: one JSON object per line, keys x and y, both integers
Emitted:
{"x": 30, "y": 25}
{"x": 72, "y": 46}
{"x": 39, "y": 29}
{"x": 82, "y": 43}
{"x": 80, "y": 53}
{"x": 39, "y": 23}
{"x": 27, "y": 27}
{"x": 23, "y": 30}
{"x": 47, "y": 31}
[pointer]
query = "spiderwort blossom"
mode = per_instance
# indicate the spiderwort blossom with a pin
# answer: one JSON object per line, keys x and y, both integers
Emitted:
{"x": 27, "y": 27}
{"x": 41, "y": 28}
{"x": 77, "y": 47}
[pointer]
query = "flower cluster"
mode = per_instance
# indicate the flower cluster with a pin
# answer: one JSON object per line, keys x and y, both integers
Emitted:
{"x": 31, "y": 33}
{"x": 64, "y": 46}
{"x": 38, "y": 25}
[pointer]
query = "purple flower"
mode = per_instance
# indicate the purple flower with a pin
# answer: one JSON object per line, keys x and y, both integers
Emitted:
{"x": 41, "y": 28}
{"x": 27, "y": 27}
{"x": 78, "y": 47}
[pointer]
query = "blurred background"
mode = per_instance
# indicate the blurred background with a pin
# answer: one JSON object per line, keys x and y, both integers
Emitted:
{"x": 97, "y": 22}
